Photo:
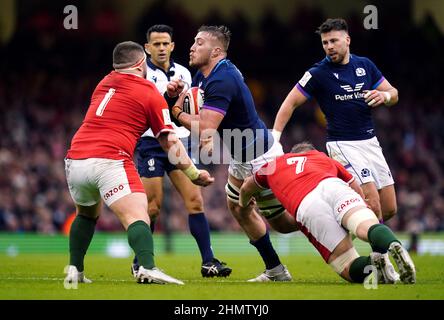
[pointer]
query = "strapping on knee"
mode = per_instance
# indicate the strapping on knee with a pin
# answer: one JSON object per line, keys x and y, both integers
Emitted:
{"x": 344, "y": 260}
{"x": 232, "y": 192}
{"x": 358, "y": 217}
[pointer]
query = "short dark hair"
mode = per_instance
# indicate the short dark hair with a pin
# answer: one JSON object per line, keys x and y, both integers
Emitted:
{"x": 336, "y": 24}
{"x": 161, "y": 28}
{"x": 302, "y": 147}
{"x": 222, "y": 33}
{"x": 126, "y": 54}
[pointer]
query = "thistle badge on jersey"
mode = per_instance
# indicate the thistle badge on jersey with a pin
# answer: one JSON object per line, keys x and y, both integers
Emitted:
{"x": 193, "y": 101}
{"x": 151, "y": 163}
{"x": 365, "y": 173}
{"x": 360, "y": 72}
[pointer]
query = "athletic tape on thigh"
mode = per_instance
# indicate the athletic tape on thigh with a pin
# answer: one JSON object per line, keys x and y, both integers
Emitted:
{"x": 344, "y": 260}
{"x": 232, "y": 192}
{"x": 268, "y": 205}
{"x": 359, "y": 216}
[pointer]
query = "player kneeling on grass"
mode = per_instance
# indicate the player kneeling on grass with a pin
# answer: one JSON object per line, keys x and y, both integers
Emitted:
{"x": 326, "y": 201}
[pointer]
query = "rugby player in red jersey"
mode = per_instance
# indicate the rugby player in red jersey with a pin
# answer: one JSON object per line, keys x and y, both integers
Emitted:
{"x": 327, "y": 203}
{"x": 99, "y": 164}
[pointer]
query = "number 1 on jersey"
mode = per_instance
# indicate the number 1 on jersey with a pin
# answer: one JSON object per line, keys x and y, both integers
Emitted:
{"x": 300, "y": 162}
{"x": 102, "y": 106}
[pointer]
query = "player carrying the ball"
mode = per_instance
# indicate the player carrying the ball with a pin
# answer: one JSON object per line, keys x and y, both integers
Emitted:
{"x": 229, "y": 109}
{"x": 153, "y": 162}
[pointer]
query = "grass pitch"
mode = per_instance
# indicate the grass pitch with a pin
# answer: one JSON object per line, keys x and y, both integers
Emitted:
{"x": 40, "y": 277}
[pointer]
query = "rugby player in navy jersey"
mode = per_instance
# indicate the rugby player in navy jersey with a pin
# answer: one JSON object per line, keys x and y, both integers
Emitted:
{"x": 229, "y": 110}
{"x": 347, "y": 87}
{"x": 153, "y": 162}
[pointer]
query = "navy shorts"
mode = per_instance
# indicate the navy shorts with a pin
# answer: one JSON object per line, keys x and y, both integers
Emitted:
{"x": 152, "y": 161}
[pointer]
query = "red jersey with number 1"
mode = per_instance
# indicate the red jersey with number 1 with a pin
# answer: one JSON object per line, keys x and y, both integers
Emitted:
{"x": 292, "y": 176}
{"x": 123, "y": 106}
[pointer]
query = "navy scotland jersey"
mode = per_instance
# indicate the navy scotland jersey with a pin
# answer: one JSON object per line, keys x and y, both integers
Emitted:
{"x": 226, "y": 92}
{"x": 339, "y": 90}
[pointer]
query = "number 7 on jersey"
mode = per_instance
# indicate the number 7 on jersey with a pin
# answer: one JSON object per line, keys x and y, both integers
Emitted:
{"x": 300, "y": 162}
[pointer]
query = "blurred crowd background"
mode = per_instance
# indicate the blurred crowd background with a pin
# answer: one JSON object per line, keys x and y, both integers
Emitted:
{"x": 47, "y": 74}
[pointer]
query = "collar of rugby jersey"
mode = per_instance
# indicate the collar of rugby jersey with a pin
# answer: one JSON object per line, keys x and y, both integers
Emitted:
{"x": 171, "y": 71}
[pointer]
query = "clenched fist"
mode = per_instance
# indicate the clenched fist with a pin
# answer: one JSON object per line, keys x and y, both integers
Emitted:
{"x": 175, "y": 87}
{"x": 204, "y": 179}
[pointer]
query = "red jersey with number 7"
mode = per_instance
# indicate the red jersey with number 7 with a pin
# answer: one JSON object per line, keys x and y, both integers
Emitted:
{"x": 123, "y": 107}
{"x": 292, "y": 176}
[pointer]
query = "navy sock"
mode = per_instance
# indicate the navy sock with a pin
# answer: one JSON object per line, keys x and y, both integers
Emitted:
{"x": 200, "y": 230}
{"x": 267, "y": 252}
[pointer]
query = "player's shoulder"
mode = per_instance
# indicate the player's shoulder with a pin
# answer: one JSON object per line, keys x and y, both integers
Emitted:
{"x": 226, "y": 72}
{"x": 125, "y": 79}
{"x": 361, "y": 59}
{"x": 319, "y": 67}
{"x": 146, "y": 88}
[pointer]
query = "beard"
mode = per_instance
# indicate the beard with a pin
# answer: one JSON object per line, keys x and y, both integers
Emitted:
{"x": 200, "y": 61}
{"x": 194, "y": 64}
{"x": 340, "y": 58}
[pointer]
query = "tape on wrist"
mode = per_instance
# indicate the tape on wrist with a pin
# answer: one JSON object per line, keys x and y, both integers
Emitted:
{"x": 276, "y": 134}
{"x": 174, "y": 113}
{"x": 388, "y": 97}
{"x": 192, "y": 172}
{"x": 178, "y": 115}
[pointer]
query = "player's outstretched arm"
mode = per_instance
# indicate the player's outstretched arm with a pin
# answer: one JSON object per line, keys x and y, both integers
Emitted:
{"x": 178, "y": 156}
{"x": 293, "y": 100}
{"x": 248, "y": 188}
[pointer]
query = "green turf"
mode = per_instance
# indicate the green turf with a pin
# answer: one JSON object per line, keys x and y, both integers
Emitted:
{"x": 33, "y": 276}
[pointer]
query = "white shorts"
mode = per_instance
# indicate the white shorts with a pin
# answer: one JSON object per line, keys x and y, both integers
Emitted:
{"x": 242, "y": 170}
{"x": 320, "y": 214}
{"x": 363, "y": 159}
{"x": 90, "y": 180}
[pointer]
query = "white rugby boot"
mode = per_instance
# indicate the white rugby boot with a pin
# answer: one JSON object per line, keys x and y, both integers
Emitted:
{"x": 73, "y": 275}
{"x": 154, "y": 275}
{"x": 279, "y": 273}
{"x": 405, "y": 264}
{"x": 385, "y": 271}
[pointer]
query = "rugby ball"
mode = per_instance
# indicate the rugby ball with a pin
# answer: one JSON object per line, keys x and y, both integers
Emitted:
{"x": 193, "y": 101}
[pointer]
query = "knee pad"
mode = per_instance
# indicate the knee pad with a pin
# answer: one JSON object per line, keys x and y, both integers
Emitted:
{"x": 359, "y": 216}
{"x": 232, "y": 192}
{"x": 344, "y": 260}
{"x": 268, "y": 205}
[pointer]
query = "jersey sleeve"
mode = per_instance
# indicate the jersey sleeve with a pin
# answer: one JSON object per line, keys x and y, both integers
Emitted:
{"x": 218, "y": 95}
{"x": 376, "y": 76}
{"x": 343, "y": 174}
{"x": 307, "y": 84}
{"x": 158, "y": 115}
